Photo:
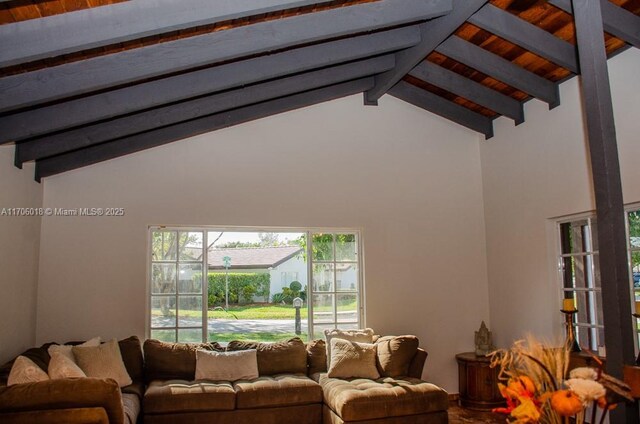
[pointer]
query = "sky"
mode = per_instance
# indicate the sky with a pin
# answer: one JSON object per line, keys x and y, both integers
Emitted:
{"x": 246, "y": 236}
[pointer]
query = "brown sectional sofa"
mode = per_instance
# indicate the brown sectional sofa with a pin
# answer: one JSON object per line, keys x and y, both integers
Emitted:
{"x": 74, "y": 400}
{"x": 293, "y": 387}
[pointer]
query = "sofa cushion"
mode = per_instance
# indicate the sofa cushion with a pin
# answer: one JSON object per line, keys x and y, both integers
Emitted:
{"x": 38, "y": 355}
{"x": 364, "y": 335}
{"x": 61, "y": 366}
{"x": 104, "y": 361}
{"x": 174, "y": 396}
{"x": 131, "y": 351}
{"x": 173, "y": 361}
{"x": 226, "y": 366}
{"x": 67, "y": 349}
{"x": 131, "y": 407}
{"x": 286, "y": 357}
{"x": 65, "y": 393}
{"x": 24, "y": 370}
{"x": 316, "y": 356}
{"x": 364, "y": 399}
{"x": 352, "y": 359}
{"x": 394, "y": 354}
{"x": 276, "y": 391}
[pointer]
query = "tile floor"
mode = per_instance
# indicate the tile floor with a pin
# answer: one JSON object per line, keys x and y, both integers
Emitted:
{"x": 458, "y": 415}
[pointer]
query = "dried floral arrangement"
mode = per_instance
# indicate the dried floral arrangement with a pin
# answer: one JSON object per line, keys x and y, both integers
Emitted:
{"x": 538, "y": 389}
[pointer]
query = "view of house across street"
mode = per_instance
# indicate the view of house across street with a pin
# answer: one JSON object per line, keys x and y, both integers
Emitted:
{"x": 254, "y": 281}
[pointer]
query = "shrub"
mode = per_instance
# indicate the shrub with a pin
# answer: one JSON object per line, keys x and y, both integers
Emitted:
{"x": 242, "y": 287}
{"x": 295, "y": 286}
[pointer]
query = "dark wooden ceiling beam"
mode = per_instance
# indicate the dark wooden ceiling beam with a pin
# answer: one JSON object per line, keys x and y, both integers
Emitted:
{"x": 616, "y": 20}
{"x": 86, "y": 110}
{"x": 158, "y": 137}
{"x": 102, "y": 26}
{"x": 56, "y": 144}
{"x": 104, "y": 72}
{"x": 469, "y": 89}
{"x": 526, "y": 35}
{"x": 442, "y": 107}
{"x": 500, "y": 69}
{"x": 433, "y": 33}
{"x": 619, "y": 326}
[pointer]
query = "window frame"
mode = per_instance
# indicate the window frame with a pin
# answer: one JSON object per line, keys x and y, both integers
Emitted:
{"x": 594, "y": 253}
{"x": 206, "y": 229}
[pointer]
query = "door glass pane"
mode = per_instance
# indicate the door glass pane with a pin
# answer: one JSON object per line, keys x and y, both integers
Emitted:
{"x": 575, "y": 269}
{"x": 163, "y": 311}
{"x": 318, "y": 330}
{"x": 190, "y": 310}
{"x": 594, "y": 234}
{"x": 190, "y": 279}
{"x": 323, "y": 311}
{"x": 164, "y": 335}
{"x": 346, "y": 247}
{"x": 322, "y": 277}
{"x": 346, "y": 277}
{"x": 163, "y": 245}
{"x": 190, "y": 336}
{"x": 163, "y": 278}
{"x": 347, "y": 307}
{"x": 322, "y": 247}
{"x": 635, "y": 269}
{"x": 634, "y": 228}
{"x": 191, "y": 246}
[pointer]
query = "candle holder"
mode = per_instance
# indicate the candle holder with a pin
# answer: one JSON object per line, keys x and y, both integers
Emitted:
{"x": 637, "y": 316}
{"x": 571, "y": 330}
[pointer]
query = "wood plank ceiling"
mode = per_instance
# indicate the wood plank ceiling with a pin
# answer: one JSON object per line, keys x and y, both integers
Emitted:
{"x": 83, "y": 81}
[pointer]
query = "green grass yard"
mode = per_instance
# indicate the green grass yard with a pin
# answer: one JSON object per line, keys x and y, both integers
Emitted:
{"x": 258, "y": 311}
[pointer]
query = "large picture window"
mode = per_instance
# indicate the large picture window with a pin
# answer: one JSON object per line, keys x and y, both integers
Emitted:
{"x": 225, "y": 284}
{"x": 580, "y": 273}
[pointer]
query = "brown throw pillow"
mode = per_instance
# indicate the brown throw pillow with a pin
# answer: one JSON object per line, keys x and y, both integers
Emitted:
{"x": 286, "y": 357}
{"x": 353, "y": 360}
{"x": 395, "y": 354}
{"x": 173, "y": 361}
{"x": 317, "y": 356}
{"x": 131, "y": 351}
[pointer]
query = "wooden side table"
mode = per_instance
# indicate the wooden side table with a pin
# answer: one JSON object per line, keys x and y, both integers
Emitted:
{"x": 478, "y": 382}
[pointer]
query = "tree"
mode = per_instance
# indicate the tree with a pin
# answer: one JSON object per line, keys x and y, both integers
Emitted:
{"x": 322, "y": 246}
{"x": 269, "y": 239}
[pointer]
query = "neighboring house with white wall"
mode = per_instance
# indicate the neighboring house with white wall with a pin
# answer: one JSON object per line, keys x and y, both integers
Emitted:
{"x": 283, "y": 263}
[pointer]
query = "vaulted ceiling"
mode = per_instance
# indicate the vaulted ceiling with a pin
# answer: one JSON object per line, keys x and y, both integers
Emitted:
{"x": 84, "y": 81}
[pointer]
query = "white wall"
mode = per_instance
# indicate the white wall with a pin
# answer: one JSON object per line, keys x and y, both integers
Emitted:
{"x": 409, "y": 180}
{"x": 537, "y": 171}
{"x": 20, "y": 237}
{"x": 295, "y": 264}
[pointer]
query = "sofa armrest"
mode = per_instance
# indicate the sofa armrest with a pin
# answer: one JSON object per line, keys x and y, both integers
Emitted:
{"x": 57, "y": 416}
{"x": 417, "y": 363}
{"x": 68, "y": 393}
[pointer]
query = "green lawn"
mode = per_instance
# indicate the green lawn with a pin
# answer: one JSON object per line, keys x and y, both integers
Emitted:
{"x": 261, "y": 311}
{"x": 263, "y": 337}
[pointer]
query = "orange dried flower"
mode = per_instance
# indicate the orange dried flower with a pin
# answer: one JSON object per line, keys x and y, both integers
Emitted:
{"x": 566, "y": 403}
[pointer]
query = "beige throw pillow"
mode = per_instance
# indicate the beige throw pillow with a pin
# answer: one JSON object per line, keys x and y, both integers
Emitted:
{"x": 61, "y": 366}
{"x": 353, "y": 359}
{"x": 67, "y": 351}
{"x": 104, "y": 361}
{"x": 227, "y": 366}
{"x": 361, "y": 336}
{"x": 24, "y": 370}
